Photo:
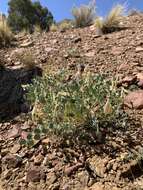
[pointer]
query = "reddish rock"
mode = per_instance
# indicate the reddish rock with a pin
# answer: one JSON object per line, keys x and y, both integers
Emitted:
{"x": 140, "y": 79}
{"x": 140, "y": 83}
{"x": 70, "y": 170}
{"x": 12, "y": 161}
{"x": 128, "y": 80}
{"x": 35, "y": 175}
{"x": 134, "y": 99}
{"x": 14, "y": 132}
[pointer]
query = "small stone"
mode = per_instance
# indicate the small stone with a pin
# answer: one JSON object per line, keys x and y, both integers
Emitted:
{"x": 26, "y": 44}
{"x": 115, "y": 166}
{"x": 46, "y": 141}
{"x": 51, "y": 178}
{"x": 77, "y": 39}
{"x": 71, "y": 169}
{"x": 140, "y": 83}
{"x": 33, "y": 175}
{"x": 38, "y": 159}
{"x": 12, "y": 161}
{"x": 96, "y": 186}
{"x": 7, "y": 174}
{"x": 90, "y": 54}
{"x": 14, "y": 132}
{"x": 117, "y": 50}
{"x": 83, "y": 178}
{"x": 97, "y": 165}
{"x": 139, "y": 49}
{"x": 15, "y": 148}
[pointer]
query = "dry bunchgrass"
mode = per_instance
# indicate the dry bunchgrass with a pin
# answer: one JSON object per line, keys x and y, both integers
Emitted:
{"x": 37, "y": 29}
{"x": 6, "y": 35}
{"x": 112, "y": 22}
{"x": 65, "y": 25}
{"x": 27, "y": 59}
{"x": 54, "y": 28}
{"x": 84, "y": 15}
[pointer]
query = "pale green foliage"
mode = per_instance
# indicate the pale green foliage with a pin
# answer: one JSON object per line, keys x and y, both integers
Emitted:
{"x": 84, "y": 15}
{"x": 112, "y": 21}
{"x": 6, "y": 35}
{"x": 64, "y": 107}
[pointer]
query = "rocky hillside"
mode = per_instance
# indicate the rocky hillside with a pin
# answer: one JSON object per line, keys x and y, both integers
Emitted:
{"x": 102, "y": 166}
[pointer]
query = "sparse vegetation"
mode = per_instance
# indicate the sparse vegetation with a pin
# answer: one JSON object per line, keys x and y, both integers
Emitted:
{"x": 37, "y": 29}
{"x": 112, "y": 22}
{"x": 61, "y": 26}
{"x": 84, "y": 15}
{"x": 63, "y": 108}
{"x": 54, "y": 27}
{"x": 6, "y": 35}
{"x": 65, "y": 25}
{"x": 27, "y": 59}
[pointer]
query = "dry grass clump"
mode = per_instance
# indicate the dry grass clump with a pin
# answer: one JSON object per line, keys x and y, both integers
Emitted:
{"x": 65, "y": 25}
{"x": 54, "y": 28}
{"x": 37, "y": 29}
{"x": 27, "y": 59}
{"x": 6, "y": 35}
{"x": 84, "y": 15}
{"x": 62, "y": 26}
{"x": 112, "y": 22}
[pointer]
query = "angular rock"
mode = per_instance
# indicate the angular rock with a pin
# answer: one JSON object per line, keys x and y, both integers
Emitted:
{"x": 51, "y": 178}
{"x": 14, "y": 132}
{"x": 96, "y": 186}
{"x": 38, "y": 159}
{"x": 12, "y": 161}
{"x": 97, "y": 166}
{"x": 134, "y": 99}
{"x": 34, "y": 175}
{"x": 83, "y": 178}
{"x": 26, "y": 44}
{"x": 140, "y": 79}
{"x": 15, "y": 148}
{"x": 139, "y": 49}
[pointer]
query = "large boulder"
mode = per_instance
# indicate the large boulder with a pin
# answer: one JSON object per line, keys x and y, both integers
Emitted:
{"x": 11, "y": 94}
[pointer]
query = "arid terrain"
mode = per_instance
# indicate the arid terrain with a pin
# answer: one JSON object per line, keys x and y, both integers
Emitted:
{"x": 116, "y": 163}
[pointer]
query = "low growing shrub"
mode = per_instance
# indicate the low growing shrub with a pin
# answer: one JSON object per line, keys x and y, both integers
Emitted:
{"x": 84, "y": 15}
{"x": 64, "y": 108}
{"x": 112, "y": 22}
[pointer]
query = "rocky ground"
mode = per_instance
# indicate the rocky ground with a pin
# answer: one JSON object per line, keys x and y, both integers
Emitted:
{"x": 114, "y": 164}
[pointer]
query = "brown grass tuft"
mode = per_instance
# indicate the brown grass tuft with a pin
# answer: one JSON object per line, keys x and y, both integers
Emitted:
{"x": 6, "y": 35}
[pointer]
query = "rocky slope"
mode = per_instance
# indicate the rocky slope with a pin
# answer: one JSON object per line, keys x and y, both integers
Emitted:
{"x": 103, "y": 166}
